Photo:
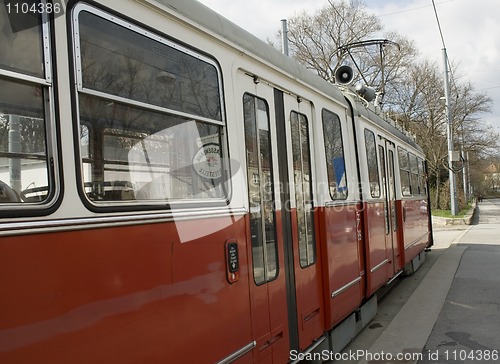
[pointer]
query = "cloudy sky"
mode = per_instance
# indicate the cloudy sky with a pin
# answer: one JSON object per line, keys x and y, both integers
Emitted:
{"x": 471, "y": 31}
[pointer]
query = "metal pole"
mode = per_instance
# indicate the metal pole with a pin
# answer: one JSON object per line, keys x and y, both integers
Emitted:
{"x": 284, "y": 37}
{"x": 453, "y": 182}
{"x": 15, "y": 148}
{"x": 464, "y": 176}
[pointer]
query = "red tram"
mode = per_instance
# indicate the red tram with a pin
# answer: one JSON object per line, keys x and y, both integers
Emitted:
{"x": 175, "y": 191}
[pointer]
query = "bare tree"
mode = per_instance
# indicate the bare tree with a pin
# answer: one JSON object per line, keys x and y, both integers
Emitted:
{"x": 315, "y": 39}
{"x": 419, "y": 106}
{"x": 472, "y": 133}
{"x": 338, "y": 34}
{"x": 413, "y": 91}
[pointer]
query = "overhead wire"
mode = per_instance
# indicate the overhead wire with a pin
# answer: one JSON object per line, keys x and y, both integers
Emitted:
{"x": 412, "y": 9}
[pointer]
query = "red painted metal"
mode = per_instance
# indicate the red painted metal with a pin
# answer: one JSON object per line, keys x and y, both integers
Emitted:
{"x": 375, "y": 246}
{"x": 123, "y": 294}
{"x": 309, "y": 292}
{"x": 342, "y": 251}
{"x": 269, "y": 309}
{"x": 413, "y": 232}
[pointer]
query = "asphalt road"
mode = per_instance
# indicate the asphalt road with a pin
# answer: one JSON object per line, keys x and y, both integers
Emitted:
{"x": 449, "y": 310}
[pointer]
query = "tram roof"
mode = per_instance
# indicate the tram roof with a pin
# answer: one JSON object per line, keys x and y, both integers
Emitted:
{"x": 369, "y": 113}
{"x": 234, "y": 34}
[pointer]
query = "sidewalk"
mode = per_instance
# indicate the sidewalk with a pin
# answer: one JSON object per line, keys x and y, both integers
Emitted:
{"x": 410, "y": 329}
{"x": 448, "y": 311}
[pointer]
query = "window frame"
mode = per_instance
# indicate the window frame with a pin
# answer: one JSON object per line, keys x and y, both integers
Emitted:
{"x": 404, "y": 170}
{"x": 262, "y": 186}
{"x": 51, "y": 139}
{"x": 372, "y": 156}
{"x": 414, "y": 174}
{"x": 80, "y": 89}
{"x": 327, "y": 156}
{"x": 305, "y": 260}
{"x": 422, "y": 178}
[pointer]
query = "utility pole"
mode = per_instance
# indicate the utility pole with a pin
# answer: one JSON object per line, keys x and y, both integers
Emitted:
{"x": 453, "y": 181}
{"x": 284, "y": 37}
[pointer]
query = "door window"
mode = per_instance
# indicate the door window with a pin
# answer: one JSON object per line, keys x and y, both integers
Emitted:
{"x": 260, "y": 189}
{"x": 334, "y": 151}
{"x": 303, "y": 188}
{"x": 371, "y": 157}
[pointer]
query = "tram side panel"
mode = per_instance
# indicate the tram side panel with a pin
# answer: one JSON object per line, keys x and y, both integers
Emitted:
{"x": 415, "y": 231}
{"x": 342, "y": 244}
{"x": 123, "y": 294}
{"x": 101, "y": 283}
{"x": 412, "y": 205}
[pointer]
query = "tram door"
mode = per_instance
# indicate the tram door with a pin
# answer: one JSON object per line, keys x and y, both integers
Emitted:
{"x": 268, "y": 294}
{"x": 287, "y": 312}
{"x": 387, "y": 155}
{"x": 297, "y": 176}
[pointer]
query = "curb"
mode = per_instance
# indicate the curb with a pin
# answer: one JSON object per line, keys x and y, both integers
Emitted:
{"x": 466, "y": 220}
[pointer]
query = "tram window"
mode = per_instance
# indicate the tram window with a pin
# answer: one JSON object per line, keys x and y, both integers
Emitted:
{"x": 385, "y": 188}
{"x": 335, "y": 160}
{"x": 150, "y": 115}
{"x": 21, "y": 40}
{"x": 25, "y": 128}
{"x": 303, "y": 188}
{"x": 404, "y": 172}
{"x": 136, "y": 154}
{"x": 260, "y": 189}
{"x": 121, "y": 62}
{"x": 414, "y": 175}
{"x": 371, "y": 157}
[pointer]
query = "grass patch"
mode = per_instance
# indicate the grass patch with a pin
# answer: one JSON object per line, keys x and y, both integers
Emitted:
{"x": 447, "y": 213}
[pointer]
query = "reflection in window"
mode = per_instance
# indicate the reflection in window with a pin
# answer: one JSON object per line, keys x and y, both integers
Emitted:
{"x": 136, "y": 154}
{"x": 21, "y": 42}
{"x": 371, "y": 157}
{"x": 335, "y": 161}
{"x": 154, "y": 131}
{"x": 121, "y": 62}
{"x": 303, "y": 188}
{"x": 24, "y": 132}
{"x": 260, "y": 189}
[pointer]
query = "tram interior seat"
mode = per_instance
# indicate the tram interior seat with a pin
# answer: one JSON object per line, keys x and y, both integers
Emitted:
{"x": 8, "y": 194}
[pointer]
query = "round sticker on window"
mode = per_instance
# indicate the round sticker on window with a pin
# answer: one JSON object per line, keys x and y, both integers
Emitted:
{"x": 207, "y": 161}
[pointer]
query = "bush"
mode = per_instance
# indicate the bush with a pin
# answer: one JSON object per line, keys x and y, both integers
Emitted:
{"x": 445, "y": 198}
